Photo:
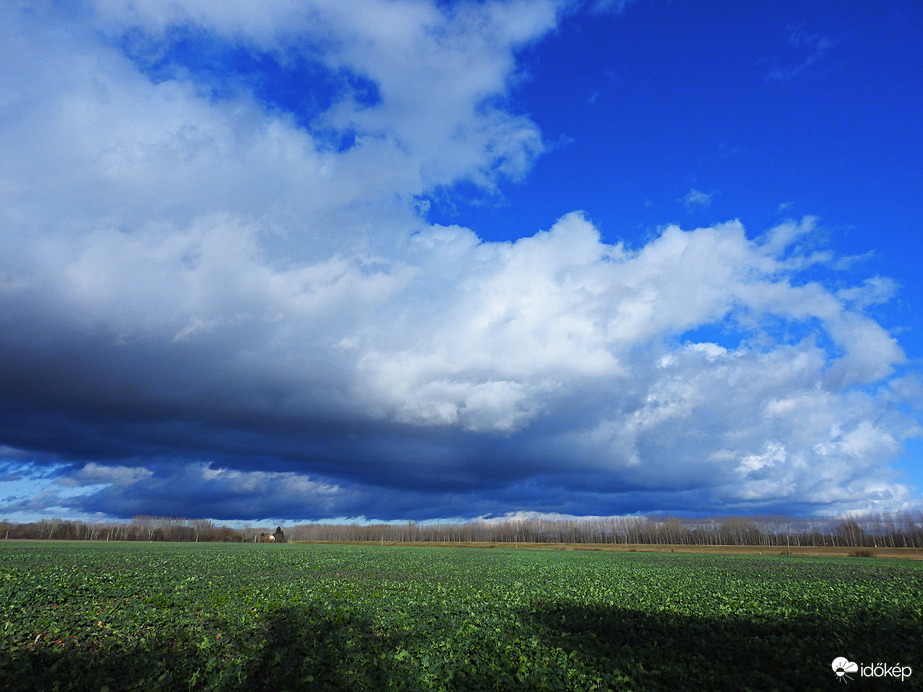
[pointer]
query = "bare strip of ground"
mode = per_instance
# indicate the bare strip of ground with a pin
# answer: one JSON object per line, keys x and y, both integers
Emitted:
{"x": 813, "y": 551}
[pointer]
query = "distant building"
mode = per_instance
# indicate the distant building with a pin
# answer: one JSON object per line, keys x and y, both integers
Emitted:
{"x": 277, "y": 537}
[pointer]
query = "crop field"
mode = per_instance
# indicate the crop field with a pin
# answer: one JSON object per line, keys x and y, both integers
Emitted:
{"x": 149, "y": 616}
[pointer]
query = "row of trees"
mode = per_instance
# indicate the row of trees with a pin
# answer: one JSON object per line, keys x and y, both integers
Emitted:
{"x": 886, "y": 530}
{"x": 891, "y": 530}
{"x": 141, "y": 528}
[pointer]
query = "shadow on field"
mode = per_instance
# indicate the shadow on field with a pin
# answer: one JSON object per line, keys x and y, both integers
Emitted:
{"x": 81, "y": 667}
{"x": 300, "y": 648}
{"x": 632, "y": 649}
{"x": 558, "y": 645}
{"x": 306, "y": 649}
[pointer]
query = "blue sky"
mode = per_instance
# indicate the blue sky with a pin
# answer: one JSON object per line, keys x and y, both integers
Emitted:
{"x": 401, "y": 259}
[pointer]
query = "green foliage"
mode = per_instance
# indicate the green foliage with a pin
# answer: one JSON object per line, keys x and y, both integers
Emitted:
{"x": 249, "y": 616}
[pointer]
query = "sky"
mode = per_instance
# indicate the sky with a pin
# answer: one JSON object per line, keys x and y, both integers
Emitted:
{"x": 311, "y": 260}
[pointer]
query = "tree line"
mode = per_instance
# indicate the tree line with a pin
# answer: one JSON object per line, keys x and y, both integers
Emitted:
{"x": 881, "y": 530}
{"x": 140, "y": 528}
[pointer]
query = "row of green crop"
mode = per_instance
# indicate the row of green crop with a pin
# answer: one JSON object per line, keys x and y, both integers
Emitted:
{"x": 156, "y": 616}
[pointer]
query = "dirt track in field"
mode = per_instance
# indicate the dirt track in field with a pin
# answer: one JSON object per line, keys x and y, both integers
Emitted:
{"x": 814, "y": 551}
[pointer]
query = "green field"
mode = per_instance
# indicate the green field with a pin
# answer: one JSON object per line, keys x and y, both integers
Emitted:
{"x": 245, "y": 616}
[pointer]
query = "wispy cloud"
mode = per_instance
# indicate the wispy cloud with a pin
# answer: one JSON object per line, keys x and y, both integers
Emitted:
{"x": 809, "y": 48}
{"x": 696, "y": 199}
{"x": 616, "y": 6}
